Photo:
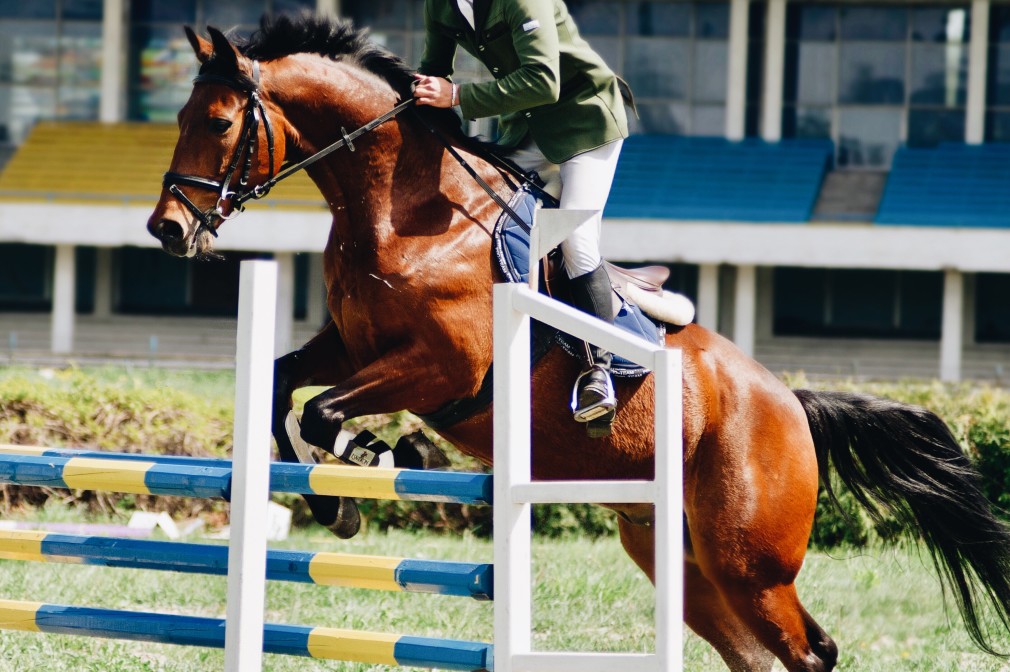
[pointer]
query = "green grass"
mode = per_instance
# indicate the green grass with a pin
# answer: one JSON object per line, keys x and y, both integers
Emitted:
{"x": 217, "y": 385}
{"x": 883, "y": 608}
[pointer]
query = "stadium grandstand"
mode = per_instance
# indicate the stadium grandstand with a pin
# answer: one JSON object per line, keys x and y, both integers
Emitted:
{"x": 830, "y": 181}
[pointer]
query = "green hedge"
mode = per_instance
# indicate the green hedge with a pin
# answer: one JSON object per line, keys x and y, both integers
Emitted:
{"x": 149, "y": 411}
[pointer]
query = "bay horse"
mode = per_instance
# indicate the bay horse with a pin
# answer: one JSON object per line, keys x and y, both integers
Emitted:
{"x": 409, "y": 271}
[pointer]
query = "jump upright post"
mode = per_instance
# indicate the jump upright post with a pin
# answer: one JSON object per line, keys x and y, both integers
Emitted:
{"x": 514, "y": 491}
{"x": 250, "y": 491}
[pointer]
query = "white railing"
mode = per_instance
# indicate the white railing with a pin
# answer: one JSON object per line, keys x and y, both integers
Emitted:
{"x": 515, "y": 492}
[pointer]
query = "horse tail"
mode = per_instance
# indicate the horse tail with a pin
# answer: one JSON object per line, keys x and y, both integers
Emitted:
{"x": 902, "y": 460}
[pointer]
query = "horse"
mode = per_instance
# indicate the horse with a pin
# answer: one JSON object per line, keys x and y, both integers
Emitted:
{"x": 409, "y": 273}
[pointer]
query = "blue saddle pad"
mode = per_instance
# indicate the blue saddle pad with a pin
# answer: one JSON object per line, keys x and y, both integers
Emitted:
{"x": 512, "y": 250}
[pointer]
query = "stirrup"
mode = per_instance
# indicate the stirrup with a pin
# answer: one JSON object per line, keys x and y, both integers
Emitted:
{"x": 597, "y": 409}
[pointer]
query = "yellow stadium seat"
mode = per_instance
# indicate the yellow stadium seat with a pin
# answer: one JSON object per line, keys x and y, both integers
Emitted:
{"x": 92, "y": 162}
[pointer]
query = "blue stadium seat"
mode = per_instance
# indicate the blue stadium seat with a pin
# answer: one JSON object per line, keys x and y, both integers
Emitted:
{"x": 677, "y": 177}
{"x": 952, "y": 184}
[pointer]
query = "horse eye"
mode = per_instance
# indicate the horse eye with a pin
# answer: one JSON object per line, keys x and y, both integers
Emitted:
{"x": 219, "y": 125}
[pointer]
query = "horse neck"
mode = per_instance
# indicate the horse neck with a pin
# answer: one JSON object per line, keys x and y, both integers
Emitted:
{"x": 393, "y": 166}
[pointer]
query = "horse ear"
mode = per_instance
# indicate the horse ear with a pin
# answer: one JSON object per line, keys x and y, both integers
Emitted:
{"x": 225, "y": 53}
{"x": 204, "y": 49}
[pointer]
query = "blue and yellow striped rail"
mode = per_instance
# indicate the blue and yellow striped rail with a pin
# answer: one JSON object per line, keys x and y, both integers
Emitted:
{"x": 465, "y": 579}
{"x": 208, "y": 477}
{"x": 330, "y": 643}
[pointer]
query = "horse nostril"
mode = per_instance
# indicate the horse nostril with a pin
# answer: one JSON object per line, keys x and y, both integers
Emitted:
{"x": 167, "y": 230}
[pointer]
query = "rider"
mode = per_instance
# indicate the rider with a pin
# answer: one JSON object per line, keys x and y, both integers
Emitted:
{"x": 562, "y": 115}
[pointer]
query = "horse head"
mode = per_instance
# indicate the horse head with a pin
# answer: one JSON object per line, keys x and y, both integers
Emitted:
{"x": 292, "y": 90}
{"x": 231, "y": 141}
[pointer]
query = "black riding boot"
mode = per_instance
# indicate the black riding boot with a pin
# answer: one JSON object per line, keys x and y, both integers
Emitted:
{"x": 593, "y": 399}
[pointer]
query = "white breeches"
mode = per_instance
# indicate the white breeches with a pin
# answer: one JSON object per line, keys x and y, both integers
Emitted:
{"x": 583, "y": 183}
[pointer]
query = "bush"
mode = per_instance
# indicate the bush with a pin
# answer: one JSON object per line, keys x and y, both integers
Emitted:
{"x": 71, "y": 410}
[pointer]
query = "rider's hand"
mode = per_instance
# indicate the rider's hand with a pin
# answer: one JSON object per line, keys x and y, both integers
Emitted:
{"x": 434, "y": 91}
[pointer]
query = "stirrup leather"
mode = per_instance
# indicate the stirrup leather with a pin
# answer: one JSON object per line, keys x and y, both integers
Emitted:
{"x": 596, "y": 409}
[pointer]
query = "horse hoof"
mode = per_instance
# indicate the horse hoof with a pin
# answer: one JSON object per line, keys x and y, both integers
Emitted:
{"x": 348, "y": 520}
{"x": 416, "y": 451}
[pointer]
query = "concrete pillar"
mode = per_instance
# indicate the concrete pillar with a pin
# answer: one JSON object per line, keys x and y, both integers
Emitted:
{"x": 774, "y": 74}
{"x": 736, "y": 79}
{"x": 285, "y": 302}
{"x": 952, "y": 326}
{"x": 708, "y": 296}
{"x": 64, "y": 294}
{"x": 745, "y": 308}
{"x": 978, "y": 53}
{"x": 112, "y": 104}
{"x": 103, "y": 282}
{"x": 316, "y": 312}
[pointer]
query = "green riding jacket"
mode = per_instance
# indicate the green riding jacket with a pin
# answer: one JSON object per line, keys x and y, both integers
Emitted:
{"x": 548, "y": 80}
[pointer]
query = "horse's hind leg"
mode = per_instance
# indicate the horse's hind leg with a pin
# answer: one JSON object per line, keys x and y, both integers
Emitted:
{"x": 313, "y": 363}
{"x": 775, "y": 614}
{"x": 705, "y": 612}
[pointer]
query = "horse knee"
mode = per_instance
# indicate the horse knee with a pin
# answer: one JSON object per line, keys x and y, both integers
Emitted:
{"x": 320, "y": 424}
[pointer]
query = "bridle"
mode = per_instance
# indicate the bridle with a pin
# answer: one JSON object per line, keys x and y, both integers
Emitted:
{"x": 255, "y": 112}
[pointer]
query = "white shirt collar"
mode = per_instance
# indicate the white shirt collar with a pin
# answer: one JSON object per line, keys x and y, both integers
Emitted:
{"x": 466, "y": 7}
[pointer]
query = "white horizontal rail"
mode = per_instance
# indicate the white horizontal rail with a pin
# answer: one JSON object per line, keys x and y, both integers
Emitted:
{"x": 585, "y": 662}
{"x": 575, "y": 322}
{"x": 584, "y": 492}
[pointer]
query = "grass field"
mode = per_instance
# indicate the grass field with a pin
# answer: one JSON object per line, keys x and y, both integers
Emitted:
{"x": 883, "y": 608}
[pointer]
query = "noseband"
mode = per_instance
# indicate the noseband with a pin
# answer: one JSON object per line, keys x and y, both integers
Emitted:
{"x": 255, "y": 111}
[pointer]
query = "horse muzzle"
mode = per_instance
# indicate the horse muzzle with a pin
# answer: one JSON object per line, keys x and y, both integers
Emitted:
{"x": 179, "y": 240}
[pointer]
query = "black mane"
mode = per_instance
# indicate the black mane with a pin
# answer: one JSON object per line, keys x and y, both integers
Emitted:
{"x": 334, "y": 38}
{"x": 338, "y": 39}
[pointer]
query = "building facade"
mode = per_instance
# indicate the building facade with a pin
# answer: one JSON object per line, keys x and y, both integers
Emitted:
{"x": 837, "y": 293}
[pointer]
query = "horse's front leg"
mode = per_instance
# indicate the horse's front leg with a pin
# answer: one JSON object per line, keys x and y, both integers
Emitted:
{"x": 321, "y": 361}
{"x": 396, "y": 381}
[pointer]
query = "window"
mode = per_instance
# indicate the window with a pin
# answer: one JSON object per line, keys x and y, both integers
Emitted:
{"x": 862, "y": 303}
{"x": 997, "y": 122}
{"x": 50, "y": 63}
{"x": 992, "y": 311}
{"x": 161, "y": 62}
{"x": 871, "y": 77}
{"x": 25, "y": 277}
{"x": 675, "y": 57}
{"x": 673, "y": 54}
{"x": 150, "y": 282}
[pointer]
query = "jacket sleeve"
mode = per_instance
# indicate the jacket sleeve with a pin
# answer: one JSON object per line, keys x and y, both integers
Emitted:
{"x": 537, "y": 79}
{"x": 439, "y": 50}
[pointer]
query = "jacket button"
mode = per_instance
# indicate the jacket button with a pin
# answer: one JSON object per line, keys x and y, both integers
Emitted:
{"x": 480, "y": 48}
{"x": 494, "y": 70}
{"x": 529, "y": 114}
